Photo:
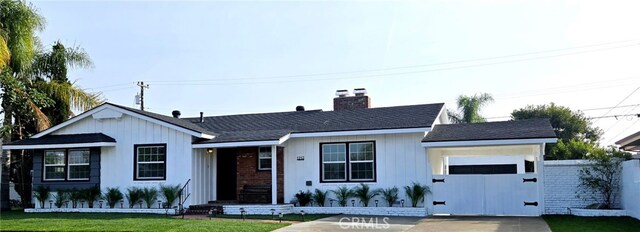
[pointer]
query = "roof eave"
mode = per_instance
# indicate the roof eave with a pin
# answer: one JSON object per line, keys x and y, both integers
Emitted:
{"x": 493, "y": 142}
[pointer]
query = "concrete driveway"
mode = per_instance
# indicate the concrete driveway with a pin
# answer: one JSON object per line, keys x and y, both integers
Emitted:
{"x": 471, "y": 223}
{"x": 380, "y": 223}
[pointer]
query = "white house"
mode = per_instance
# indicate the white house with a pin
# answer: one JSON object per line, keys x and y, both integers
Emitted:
{"x": 482, "y": 169}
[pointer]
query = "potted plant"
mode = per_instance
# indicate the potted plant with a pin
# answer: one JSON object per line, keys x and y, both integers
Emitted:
{"x": 304, "y": 198}
{"x": 319, "y": 197}
{"x": 133, "y": 195}
{"x": 390, "y": 195}
{"x": 416, "y": 193}
{"x": 42, "y": 193}
{"x": 343, "y": 193}
{"x": 364, "y": 193}
{"x": 149, "y": 195}
{"x": 113, "y": 196}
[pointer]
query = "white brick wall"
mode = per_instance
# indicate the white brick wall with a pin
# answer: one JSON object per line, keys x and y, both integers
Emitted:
{"x": 598, "y": 213}
{"x": 561, "y": 180}
{"x": 382, "y": 211}
{"x": 257, "y": 209}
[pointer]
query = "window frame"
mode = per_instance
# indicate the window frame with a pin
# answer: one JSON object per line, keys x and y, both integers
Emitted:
{"x": 348, "y": 162}
{"x": 260, "y": 159}
{"x": 66, "y": 166}
{"x": 45, "y": 165}
{"x": 68, "y": 163}
{"x": 135, "y": 162}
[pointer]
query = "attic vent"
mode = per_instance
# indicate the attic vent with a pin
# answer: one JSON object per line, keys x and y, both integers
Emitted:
{"x": 299, "y": 108}
{"x": 176, "y": 113}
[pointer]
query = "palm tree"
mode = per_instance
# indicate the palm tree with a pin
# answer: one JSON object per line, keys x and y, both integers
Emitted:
{"x": 469, "y": 108}
{"x": 18, "y": 27}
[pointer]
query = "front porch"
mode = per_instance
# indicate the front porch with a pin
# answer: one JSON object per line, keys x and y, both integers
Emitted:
{"x": 238, "y": 175}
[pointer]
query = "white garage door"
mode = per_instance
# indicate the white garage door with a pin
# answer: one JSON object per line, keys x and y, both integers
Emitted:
{"x": 498, "y": 194}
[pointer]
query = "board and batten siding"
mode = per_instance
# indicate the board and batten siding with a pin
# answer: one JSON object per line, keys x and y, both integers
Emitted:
{"x": 117, "y": 162}
{"x": 400, "y": 160}
{"x": 203, "y": 170}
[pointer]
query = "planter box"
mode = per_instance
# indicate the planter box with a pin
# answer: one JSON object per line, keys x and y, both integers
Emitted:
{"x": 598, "y": 212}
{"x": 257, "y": 209}
{"x": 378, "y": 211}
{"x": 99, "y": 210}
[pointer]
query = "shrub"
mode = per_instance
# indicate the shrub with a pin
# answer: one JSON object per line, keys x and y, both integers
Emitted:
{"x": 342, "y": 194}
{"x": 170, "y": 193}
{"x": 149, "y": 195}
{"x": 112, "y": 196}
{"x": 601, "y": 180}
{"x": 319, "y": 197}
{"x": 303, "y": 197}
{"x": 390, "y": 195}
{"x": 364, "y": 193}
{"x": 61, "y": 197}
{"x": 76, "y": 195}
{"x": 42, "y": 194}
{"x": 416, "y": 193}
{"x": 91, "y": 195}
{"x": 134, "y": 194}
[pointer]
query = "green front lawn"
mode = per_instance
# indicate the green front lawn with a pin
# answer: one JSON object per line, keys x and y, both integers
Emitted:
{"x": 566, "y": 223}
{"x": 16, "y": 220}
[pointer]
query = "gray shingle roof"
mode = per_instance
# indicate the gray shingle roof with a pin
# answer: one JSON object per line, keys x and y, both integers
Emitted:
{"x": 168, "y": 119}
{"x": 65, "y": 139}
{"x": 520, "y": 129}
{"x": 272, "y": 126}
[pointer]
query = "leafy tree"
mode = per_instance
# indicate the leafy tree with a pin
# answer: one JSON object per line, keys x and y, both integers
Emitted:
{"x": 576, "y": 134}
{"x": 469, "y": 108}
{"x": 35, "y": 88}
{"x": 600, "y": 181}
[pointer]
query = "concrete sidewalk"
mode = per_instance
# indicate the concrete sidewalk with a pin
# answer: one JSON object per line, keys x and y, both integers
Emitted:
{"x": 381, "y": 223}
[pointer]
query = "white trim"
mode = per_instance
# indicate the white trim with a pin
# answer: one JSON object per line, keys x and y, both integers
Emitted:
{"x": 443, "y": 110}
{"x": 361, "y": 132}
{"x": 237, "y": 144}
{"x": 54, "y": 146}
{"x": 124, "y": 111}
{"x": 488, "y": 142}
{"x": 69, "y": 164}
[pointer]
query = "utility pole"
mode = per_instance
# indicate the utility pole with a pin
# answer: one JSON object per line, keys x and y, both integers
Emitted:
{"x": 142, "y": 87}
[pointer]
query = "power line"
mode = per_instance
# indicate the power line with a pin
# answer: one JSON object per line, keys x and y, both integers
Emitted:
{"x": 625, "y": 98}
{"x": 591, "y": 109}
{"x": 186, "y": 82}
{"x": 621, "y": 132}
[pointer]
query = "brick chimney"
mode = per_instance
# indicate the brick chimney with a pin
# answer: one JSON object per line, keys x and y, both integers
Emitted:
{"x": 344, "y": 101}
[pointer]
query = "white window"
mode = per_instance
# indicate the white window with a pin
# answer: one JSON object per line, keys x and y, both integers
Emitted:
{"x": 349, "y": 161}
{"x": 361, "y": 161}
{"x": 79, "y": 168}
{"x": 54, "y": 165}
{"x": 334, "y": 162}
{"x": 264, "y": 158}
{"x": 150, "y": 162}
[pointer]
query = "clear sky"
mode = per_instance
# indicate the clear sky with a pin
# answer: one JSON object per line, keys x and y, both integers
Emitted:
{"x": 241, "y": 57}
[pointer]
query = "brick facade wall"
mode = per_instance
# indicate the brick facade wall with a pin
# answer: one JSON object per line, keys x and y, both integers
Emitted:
{"x": 351, "y": 102}
{"x": 247, "y": 171}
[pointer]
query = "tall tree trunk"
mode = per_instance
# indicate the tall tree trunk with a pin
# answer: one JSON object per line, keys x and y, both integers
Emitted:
{"x": 4, "y": 168}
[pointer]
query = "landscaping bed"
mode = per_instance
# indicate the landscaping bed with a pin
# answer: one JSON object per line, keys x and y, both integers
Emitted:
{"x": 20, "y": 221}
{"x": 567, "y": 223}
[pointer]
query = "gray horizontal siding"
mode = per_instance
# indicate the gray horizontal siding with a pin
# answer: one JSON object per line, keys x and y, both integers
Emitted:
{"x": 94, "y": 175}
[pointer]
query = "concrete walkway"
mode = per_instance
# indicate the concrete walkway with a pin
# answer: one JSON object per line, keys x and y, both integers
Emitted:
{"x": 380, "y": 223}
{"x": 469, "y": 223}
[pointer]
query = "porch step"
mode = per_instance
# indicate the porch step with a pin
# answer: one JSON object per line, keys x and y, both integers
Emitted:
{"x": 203, "y": 209}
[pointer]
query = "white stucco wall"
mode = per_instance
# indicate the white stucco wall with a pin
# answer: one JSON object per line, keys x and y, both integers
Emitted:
{"x": 116, "y": 163}
{"x": 630, "y": 196}
{"x": 400, "y": 159}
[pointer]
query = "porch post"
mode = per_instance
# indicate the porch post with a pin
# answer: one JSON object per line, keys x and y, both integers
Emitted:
{"x": 274, "y": 175}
